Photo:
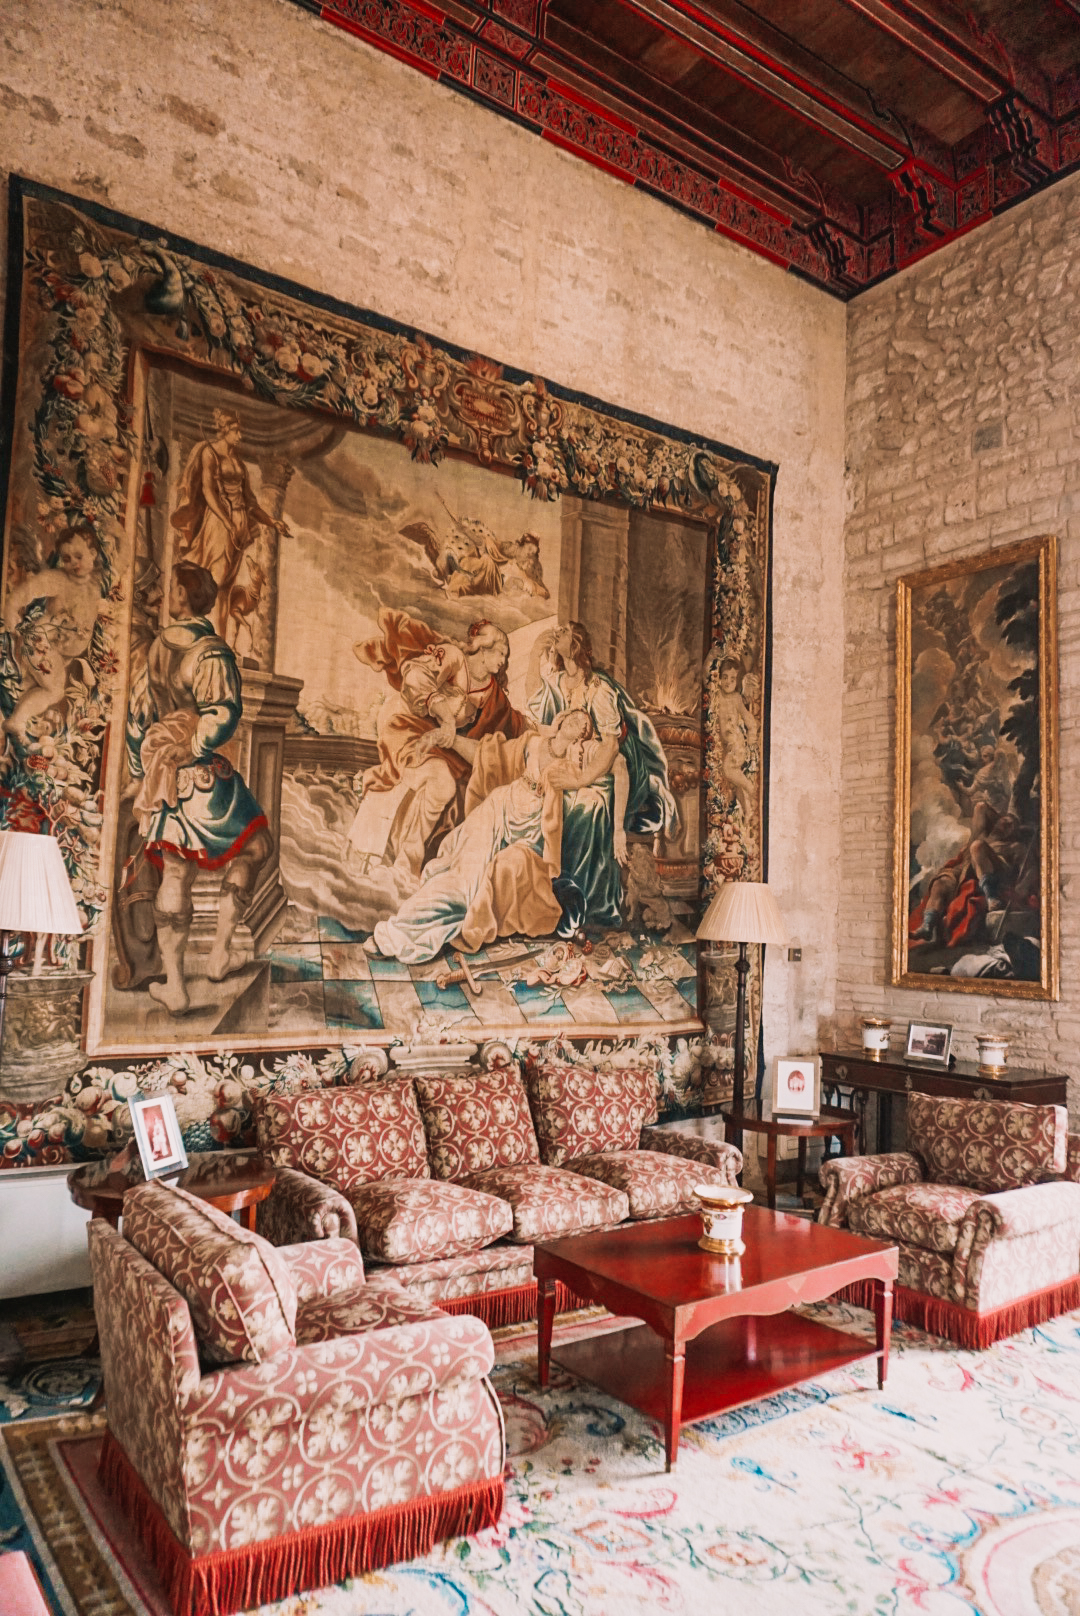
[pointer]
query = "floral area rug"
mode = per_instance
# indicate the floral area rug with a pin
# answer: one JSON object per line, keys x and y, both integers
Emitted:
{"x": 41, "y": 1389}
{"x": 46, "y": 1361}
{"x": 956, "y": 1489}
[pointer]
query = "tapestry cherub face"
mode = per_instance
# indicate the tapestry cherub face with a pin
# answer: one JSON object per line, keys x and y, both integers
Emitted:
{"x": 365, "y": 686}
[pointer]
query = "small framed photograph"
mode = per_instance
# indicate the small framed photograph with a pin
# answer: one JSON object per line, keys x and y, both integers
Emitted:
{"x": 157, "y": 1134}
{"x": 926, "y": 1042}
{"x": 796, "y": 1088}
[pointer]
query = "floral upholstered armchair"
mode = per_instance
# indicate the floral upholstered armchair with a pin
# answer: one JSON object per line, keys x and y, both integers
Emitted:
{"x": 984, "y": 1206}
{"x": 276, "y": 1422}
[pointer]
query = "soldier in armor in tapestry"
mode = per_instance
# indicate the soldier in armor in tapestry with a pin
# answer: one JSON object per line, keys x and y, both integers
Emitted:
{"x": 193, "y": 810}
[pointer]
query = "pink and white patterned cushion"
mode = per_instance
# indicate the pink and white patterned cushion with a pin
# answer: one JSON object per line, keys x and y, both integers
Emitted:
{"x": 473, "y": 1123}
{"x": 656, "y": 1186}
{"x": 581, "y": 1111}
{"x": 241, "y": 1294}
{"x": 345, "y": 1137}
{"x": 987, "y": 1145}
{"x": 416, "y": 1222}
{"x": 385, "y": 1306}
{"x": 323, "y": 1268}
{"x": 548, "y": 1202}
{"x": 926, "y": 1215}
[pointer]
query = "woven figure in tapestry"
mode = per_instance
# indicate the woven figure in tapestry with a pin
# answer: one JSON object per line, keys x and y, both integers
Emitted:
{"x": 217, "y": 521}
{"x": 194, "y": 810}
{"x": 498, "y": 872}
{"x": 441, "y": 688}
{"x": 594, "y": 837}
{"x": 49, "y": 619}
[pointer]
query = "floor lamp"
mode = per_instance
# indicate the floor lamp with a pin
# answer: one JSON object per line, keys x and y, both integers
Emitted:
{"x": 742, "y": 912}
{"x": 35, "y": 895}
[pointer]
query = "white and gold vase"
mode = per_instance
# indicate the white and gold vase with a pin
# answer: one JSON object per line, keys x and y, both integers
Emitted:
{"x": 721, "y": 1218}
{"x": 993, "y": 1054}
{"x": 875, "y": 1036}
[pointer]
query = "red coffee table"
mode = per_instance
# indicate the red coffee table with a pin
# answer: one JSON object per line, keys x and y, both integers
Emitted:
{"x": 716, "y": 1333}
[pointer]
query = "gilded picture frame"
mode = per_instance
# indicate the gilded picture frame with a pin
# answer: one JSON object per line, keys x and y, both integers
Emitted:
{"x": 975, "y": 846}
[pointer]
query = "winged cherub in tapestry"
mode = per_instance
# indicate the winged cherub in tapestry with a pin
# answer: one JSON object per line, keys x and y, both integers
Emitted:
{"x": 470, "y": 560}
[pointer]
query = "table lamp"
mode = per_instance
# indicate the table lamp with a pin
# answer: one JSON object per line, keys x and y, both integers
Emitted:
{"x": 742, "y": 912}
{"x": 35, "y": 895}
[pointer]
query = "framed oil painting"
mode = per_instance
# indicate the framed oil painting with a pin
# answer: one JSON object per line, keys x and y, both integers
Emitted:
{"x": 370, "y": 687}
{"x": 975, "y": 905}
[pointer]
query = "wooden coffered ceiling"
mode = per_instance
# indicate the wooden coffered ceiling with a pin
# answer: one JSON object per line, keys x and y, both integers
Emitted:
{"x": 842, "y": 139}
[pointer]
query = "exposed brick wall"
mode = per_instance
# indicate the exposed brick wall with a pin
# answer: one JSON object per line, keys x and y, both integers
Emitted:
{"x": 962, "y": 434}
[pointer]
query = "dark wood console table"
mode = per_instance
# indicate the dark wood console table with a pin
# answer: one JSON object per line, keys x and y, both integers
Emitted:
{"x": 896, "y": 1074}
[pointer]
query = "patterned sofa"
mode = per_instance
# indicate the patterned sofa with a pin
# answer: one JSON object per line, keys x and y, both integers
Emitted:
{"x": 446, "y": 1181}
{"x": 984, "y": 1207}
{"x": 276, "y": 1421}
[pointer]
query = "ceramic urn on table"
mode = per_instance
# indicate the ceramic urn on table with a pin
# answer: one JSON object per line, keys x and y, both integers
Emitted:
{"x": 721, "y": 1218}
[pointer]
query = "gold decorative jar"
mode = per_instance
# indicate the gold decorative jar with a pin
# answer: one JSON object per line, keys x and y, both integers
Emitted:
{"x": 993, "y": 1054}
{"x": 875, "y": 1036}
{"x": 721, "y": 1218}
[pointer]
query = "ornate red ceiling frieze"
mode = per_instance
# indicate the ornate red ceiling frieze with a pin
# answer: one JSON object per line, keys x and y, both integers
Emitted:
{"x": 842, "y": 139}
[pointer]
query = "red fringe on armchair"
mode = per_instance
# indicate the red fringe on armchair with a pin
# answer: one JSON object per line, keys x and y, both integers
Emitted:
{"x": 240, "y": 1579}
{"x": 960, "y": 1324}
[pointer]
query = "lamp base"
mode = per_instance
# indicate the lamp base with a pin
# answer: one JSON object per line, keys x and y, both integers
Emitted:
{"x": 40, "y": 1052}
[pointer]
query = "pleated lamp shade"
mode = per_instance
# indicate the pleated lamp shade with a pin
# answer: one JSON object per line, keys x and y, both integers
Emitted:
{"x": 35, "y": 893}
{"x": 743, "y": 912}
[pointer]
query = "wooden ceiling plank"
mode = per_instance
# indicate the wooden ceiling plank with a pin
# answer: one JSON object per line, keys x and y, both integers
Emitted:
{"x": 665, "y": 115}
{"x": 931, "y": 32}
{"x": 737, "y": 54}
{"x": 946, "y": 59}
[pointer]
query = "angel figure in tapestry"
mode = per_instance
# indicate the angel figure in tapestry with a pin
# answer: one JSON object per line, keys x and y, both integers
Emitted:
{"x": 50, "y": 618}
{"x": 470, "y": 560}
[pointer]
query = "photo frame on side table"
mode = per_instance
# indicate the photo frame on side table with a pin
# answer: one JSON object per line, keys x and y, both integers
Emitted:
{"x": 796, "y": 1088}
{"x": 928, "y": 1041}
{"x": 157, "y": 1134}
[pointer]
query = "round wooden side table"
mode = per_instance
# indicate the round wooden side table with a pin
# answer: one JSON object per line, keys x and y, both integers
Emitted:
{"x": 842, "y": 1124}
{"x": 228, "y": 1180}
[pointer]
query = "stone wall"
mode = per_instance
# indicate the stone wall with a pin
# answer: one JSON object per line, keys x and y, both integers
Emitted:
{"x": 963, "y": 434}
{"x": 281, "y": 141}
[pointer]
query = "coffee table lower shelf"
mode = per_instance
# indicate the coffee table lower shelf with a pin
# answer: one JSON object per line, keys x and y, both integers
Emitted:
{"x": 732, "y": 1363}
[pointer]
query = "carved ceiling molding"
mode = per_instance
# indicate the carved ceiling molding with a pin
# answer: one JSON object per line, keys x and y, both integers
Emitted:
{"x": 766, "y": 137}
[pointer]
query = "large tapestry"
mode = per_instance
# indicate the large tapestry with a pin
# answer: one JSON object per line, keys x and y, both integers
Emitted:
{"x": 369, "y": 686}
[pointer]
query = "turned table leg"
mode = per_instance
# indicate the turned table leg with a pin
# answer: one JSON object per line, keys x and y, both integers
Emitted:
{"x": 675, "y": 1353}
{"x": 883, "y": 1303}
{"x": 770, "y": 1172}
{"x": 544, "y": 1326}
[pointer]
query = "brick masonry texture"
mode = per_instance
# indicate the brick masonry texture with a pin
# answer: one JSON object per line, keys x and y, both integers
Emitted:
{"x": 962, "y": 435}
{"x": 275, "y": 138}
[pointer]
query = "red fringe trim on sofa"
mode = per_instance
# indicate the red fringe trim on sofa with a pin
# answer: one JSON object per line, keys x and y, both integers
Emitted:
{"x": 960, "y": 1324}
{"x": 239, "y": 1579}
{"x": 497, "y": 1308}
